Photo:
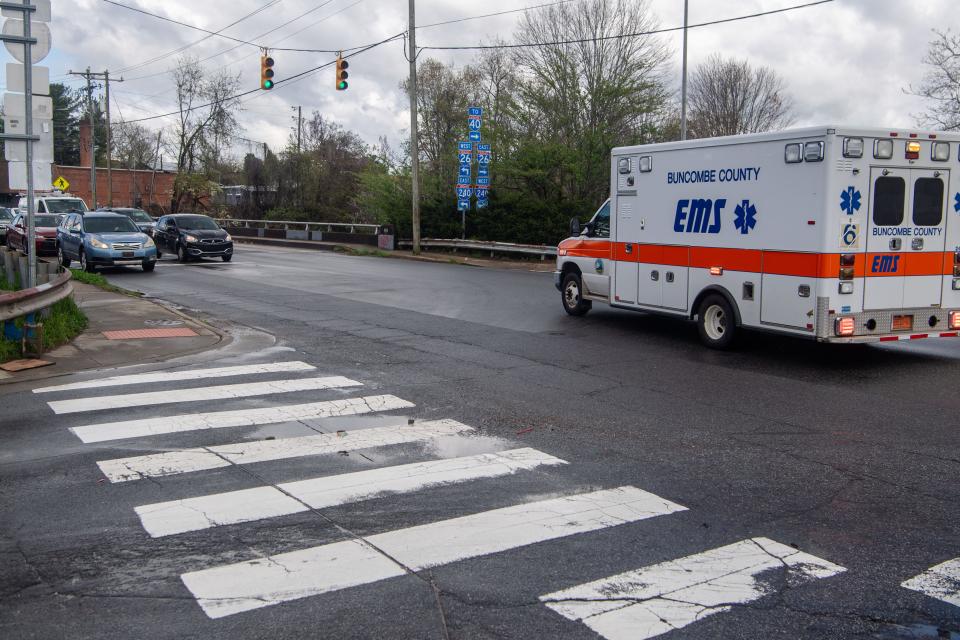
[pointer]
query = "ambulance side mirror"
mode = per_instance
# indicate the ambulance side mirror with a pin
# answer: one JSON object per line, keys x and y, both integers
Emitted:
{"x": 574, "y": 227}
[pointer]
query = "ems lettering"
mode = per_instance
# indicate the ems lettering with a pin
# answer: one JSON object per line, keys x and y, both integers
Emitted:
{"x": 699, "y": 215}
{"x": 885, "y": 264}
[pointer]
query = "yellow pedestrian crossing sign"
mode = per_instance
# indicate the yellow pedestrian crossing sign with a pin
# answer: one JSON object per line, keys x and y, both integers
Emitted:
{"x": 61, "y": 183}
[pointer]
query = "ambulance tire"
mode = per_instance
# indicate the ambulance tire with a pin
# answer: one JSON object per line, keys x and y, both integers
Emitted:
{"x": 571, "y": 293}
{"x": 716, "y": 322}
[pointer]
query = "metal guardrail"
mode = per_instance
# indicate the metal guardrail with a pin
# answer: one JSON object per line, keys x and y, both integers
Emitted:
{"x": 288, "y": 225}
{"x": 20, "y": 303}
{"x": 542, "y": 251}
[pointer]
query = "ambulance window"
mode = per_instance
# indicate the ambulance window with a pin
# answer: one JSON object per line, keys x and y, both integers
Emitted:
{"x": 888, "y": 201}
{"x": 601, "y": 222}
{"x": 928, "y": 202}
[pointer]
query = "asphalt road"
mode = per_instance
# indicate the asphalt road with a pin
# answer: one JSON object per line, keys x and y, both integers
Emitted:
{"x": 784, "y": 490}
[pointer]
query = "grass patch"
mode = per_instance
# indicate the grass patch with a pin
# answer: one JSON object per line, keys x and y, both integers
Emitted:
{"x": 354, "y": 251}
{"x": 98, "y": 280}
{"x": 65, "y": 322}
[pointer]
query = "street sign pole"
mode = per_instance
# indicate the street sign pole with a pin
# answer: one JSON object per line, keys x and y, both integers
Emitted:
{"x": 414, "y": 140}
{"x": 28, "y": 130}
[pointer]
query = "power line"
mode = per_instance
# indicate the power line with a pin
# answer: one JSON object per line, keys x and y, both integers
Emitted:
{"x": 498, "y": 13}
{"x": 277, "y": 83}
{"x": 203, "y": 39}
{"x": 624, "y": 35}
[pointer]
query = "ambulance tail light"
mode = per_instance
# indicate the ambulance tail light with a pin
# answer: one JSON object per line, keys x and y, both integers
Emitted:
{"x": 954, "y": 320}
{"x": 845, "y": 327}
{"x": 913, "y": 150}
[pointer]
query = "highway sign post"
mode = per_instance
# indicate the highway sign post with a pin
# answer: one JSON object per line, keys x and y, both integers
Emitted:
{"x": 465, "y": 152}
{"x": 26, "y": 35}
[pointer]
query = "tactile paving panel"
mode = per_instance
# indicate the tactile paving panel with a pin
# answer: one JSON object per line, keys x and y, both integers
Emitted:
{"x": 136, "y": 334}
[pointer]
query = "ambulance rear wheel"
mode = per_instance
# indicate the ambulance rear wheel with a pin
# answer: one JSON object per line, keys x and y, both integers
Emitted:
{"x": 716, "y": 323}
{"x": 572, "y": 292}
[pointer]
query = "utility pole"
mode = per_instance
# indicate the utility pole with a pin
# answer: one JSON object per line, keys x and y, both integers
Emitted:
{"x": 683, "y": 89}
{"x": 414, "y": 138}
{"x": 153, "y": 175}
{"x": 299, "y": 125}
{"x": 93, "y": 145}
{"x": 106, "y": 78}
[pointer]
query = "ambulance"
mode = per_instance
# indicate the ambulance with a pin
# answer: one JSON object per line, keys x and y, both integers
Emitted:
{"x": 830, "y": 233}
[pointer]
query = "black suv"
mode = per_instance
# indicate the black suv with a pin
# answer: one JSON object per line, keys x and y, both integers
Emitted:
{"x": 192, "y": 236}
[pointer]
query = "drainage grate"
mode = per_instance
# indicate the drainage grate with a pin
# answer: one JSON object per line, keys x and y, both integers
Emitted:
{"x": 133, "y": 334}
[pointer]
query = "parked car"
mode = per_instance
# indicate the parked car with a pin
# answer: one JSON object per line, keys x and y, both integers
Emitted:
{"x": 192, "y": 236}
{"x": 55, "y": 204}
{"x": 6, "y": 218}
{"x": 140, "y": 217}
{"x": 105, "y": 239}
{"x": 45, "y": 227}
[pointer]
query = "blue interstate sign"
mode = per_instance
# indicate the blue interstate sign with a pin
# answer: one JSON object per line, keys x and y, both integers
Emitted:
{"x": 482, "y": 194}
{"x": 475, "y": 136}
{"x": 473, "y": 123}
{"x": 463, "y": 205}
{"x": 463, "y": 179}
{"x": 483, "y": 181}
{"x": 483, "y": 158}
{"x": 465, "y": 146}
{"x": 483, "y": 147}
{"x": 464, "y": 171}
{"x": 474, "y": 111}
{"x": 466, "y": 158}
{"x": 464, "y": 192}
{"x": 482, "y": 204}
{"x": 483, "y": 171}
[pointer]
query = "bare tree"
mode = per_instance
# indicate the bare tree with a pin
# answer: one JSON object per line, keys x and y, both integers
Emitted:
{"x": 729, "y": 97}
{"x": 941, "y": 83}
{"x": 135, "y": 145}
{"x": 207, "y": 117}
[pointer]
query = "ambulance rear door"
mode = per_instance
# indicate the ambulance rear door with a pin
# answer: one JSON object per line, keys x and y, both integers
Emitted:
{"x": 905, "y": 238}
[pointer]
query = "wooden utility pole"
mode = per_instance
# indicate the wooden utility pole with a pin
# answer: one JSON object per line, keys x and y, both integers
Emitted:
{"x": 106, "y": 78}
{"x": 683, "y": 90}
{"x": 414, "y": 138}
{"x": 90, "y": 76}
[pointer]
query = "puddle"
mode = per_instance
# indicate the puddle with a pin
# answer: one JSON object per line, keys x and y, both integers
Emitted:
{"x": 466, "y": 444}
{"x": 355, "y": 423}
{"x": 917, "y": 632}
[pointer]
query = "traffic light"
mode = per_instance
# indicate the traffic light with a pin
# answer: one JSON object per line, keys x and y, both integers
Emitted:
{"x": 266, "y": 72}
{"x": 342, "y": 74}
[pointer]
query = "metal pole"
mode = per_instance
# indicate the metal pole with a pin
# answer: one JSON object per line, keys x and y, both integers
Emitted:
{"x": 106, "y": 78}
{"x": 414, "y": 137}
{"x": 153, "y": 175}
{"x": 299, "y": 123}
{"x": 683, "y": 90}
{"x": 93, "y": 145}
{"x": 28, "y": 110}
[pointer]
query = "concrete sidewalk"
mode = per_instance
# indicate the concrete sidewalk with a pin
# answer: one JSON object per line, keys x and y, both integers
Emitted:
{"x": 107, "y": 311}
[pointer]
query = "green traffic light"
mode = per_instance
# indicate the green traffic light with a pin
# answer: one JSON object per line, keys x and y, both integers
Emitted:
{"x": 341, "y": 85}
{"x": 268, "y": 84}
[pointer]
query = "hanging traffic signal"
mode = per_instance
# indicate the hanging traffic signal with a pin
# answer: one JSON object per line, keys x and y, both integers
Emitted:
{"x": 342, "y": 74}
{"x": 266, "y": 72}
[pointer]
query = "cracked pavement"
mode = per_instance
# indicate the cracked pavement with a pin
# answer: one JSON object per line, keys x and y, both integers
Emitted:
{"x": 848, "y": 455}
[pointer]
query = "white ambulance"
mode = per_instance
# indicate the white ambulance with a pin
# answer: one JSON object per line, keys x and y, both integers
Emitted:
{"x": 832, "y": 233}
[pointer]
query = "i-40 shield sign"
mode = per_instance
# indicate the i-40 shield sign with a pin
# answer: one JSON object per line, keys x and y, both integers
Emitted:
{"x": 473, "y": 122}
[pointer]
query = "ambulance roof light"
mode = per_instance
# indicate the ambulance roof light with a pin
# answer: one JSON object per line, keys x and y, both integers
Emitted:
{"x": 853, "y": 147}
{"x": 883, "y": 149}
{"x": 940, "y": 151}
{"x": 792, "y": 154}
{"x": 813, "y": 151}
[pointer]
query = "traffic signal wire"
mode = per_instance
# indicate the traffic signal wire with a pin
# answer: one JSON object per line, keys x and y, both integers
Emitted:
{"x": 276, "y": 84}
{"x": 622, "y": 35}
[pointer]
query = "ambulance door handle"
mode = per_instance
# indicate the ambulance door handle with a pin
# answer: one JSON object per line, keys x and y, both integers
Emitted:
{"x": 628, "y": 248}
{"x": 895, "y": 244}
{"x": 917, "y": 244}
{"x": 643, "y": 223}
{"x": 654, "y": 275}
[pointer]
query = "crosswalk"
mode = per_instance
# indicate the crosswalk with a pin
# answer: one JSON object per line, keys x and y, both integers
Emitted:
{"x": 641, "y": 602}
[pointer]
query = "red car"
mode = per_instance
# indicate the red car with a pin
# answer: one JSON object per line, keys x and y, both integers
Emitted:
{"x": 46, "y": 230}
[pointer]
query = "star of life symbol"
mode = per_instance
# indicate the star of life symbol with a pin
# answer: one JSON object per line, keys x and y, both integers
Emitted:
{"x": 850, "y": 200}
{"x": 956, "y": 204}
{"x": 746, "y": 217}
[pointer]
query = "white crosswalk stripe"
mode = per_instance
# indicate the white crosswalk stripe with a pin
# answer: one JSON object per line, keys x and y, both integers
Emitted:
{"x": 179, "y": 516}
{"x": 230, "y": 589}
{"x": 178, "y": 376}
{"x": 654, "y": 600}
{"x": 198, "y": 459}
{"x": 941, "y": 582}
{"x": 221, "y": 392}
{"x": 124, "y": 429}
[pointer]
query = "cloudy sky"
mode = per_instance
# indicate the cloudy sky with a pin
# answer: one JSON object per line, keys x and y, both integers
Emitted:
{"x": 843, "y": 62}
